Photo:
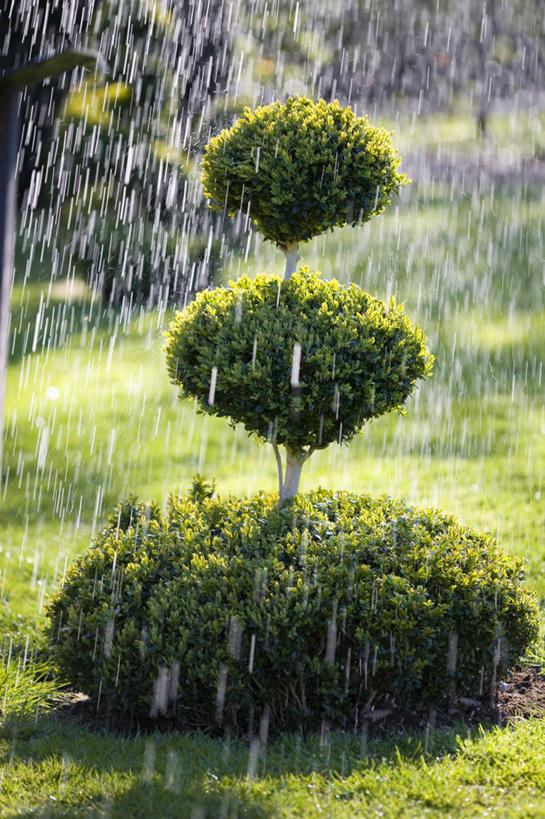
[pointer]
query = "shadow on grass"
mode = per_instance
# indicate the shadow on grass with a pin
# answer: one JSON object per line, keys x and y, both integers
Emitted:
{"x": 80, "y": 772}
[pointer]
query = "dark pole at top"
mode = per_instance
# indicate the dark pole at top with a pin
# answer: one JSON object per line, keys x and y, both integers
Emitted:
{"x": 11, "y": 82}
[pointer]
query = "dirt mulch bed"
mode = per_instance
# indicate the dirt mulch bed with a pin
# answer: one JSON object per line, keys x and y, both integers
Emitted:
{"x": 520, "y": 697}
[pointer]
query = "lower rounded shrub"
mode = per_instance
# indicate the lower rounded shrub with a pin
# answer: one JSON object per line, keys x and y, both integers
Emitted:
{"x": 221, "y": 613}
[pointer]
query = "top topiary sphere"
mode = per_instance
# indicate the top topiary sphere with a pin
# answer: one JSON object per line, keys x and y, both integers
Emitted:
{"x": 301, "y": 168}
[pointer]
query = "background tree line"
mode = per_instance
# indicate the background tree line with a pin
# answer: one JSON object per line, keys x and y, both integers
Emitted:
{"x": 114, "y": 159}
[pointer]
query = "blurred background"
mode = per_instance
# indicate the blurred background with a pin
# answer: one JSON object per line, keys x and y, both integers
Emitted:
{"x": 109, "y": 164}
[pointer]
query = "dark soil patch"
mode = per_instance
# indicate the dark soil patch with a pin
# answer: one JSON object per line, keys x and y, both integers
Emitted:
{"x": 521, "y": 696}
{"x": 525, "y": 696}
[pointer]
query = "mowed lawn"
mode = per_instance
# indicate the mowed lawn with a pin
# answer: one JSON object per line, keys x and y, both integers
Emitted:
{"x": 91, "y": 417}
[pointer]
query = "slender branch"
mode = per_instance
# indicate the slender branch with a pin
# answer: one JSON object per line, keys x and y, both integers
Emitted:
{"x": 280, "y": 470}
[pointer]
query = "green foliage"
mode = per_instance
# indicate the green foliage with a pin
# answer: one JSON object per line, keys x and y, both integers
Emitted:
{"x": 225, "y": 611}
{"x": 20, "y": 637}
{"x": 201, "y": 489}
{"x": 131, "y": 512}
{"x": 133, "y": 217}
{"x": 360, "y": 357}
{"x": 301, "y": 168}
{"x": 26, "y": 689}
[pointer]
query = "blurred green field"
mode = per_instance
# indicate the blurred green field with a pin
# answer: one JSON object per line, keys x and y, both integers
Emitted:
{"x": 509, "y": 136}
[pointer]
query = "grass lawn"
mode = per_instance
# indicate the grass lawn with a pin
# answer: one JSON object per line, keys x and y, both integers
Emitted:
{"x": 53, "y": 769}
{"x": 90, "y": 417}
{"x": 510, "y": 135}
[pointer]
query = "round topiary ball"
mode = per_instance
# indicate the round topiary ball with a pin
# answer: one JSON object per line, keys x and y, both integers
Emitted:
{"x": 223, "y": 613}
{"x": 301, "y": 168}
{"x": 302, "y": 362}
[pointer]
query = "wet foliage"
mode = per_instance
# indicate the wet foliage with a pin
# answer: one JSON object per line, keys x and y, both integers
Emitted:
{"x": 301, "y": 168}
{"x": 303, "y": 362}
{"x": 226, "y": 612}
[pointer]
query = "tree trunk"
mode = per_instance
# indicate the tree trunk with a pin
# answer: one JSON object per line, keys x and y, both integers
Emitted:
{"x": 482, "y": 118}
{"x": 292, "y": 475}
{"x": 288, "y": 482}
{"x": 291, "y": 251}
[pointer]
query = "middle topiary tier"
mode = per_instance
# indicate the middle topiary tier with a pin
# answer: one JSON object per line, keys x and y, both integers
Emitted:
{"x": 302, "y": 363}
{"x": 222, "y": 612}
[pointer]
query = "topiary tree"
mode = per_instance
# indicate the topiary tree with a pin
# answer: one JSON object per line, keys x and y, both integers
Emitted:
{"x": 301, "y": 363}
{"x": 214, "y": 614}
{"x": 301, "y": 168}
{"x": 307, "y": 362}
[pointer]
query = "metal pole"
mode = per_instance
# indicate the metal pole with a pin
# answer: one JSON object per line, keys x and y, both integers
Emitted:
{"x": 9, "y": 138}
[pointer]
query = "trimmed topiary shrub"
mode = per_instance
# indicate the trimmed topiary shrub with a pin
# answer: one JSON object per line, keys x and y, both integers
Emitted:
{"x": 222, "y": 612}
{"x": 301, "y": 168}
{"x": 302, "y": 362}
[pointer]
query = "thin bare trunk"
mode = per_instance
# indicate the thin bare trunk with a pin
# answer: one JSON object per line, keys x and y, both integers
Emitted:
{"x": 292, "y": 475}
{"x": 288, "y": 479}
{"x": 291, "y": 252}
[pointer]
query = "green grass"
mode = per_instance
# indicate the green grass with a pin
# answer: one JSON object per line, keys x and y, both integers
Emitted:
{"x": 90, "y": 417}
{"x": 52, "y": 768}
{"x": 510, "y": 136}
